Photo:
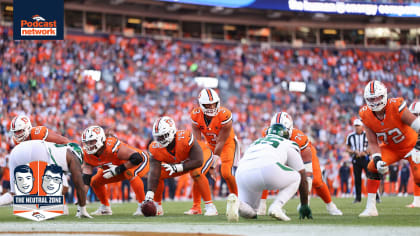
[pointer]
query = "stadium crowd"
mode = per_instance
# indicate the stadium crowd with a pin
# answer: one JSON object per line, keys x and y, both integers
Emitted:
{"x": 143, "y": 78}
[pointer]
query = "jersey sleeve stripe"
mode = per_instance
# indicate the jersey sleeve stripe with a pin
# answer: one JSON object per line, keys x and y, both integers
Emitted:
{"x": 191, "y": 140}
{"x": 402, "y": 106}
{"x": 194, "y": 122}
{"x": 46, "y": 135}
{"x": 117, "y": 144}
{"x": 207, "y": 164}
{"x": 305, "y": 145}
{"x": 141, "y": 167}
{"x": 227, "y": 120}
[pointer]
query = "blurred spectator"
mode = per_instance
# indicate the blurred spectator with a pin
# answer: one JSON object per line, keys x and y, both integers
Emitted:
{"x": 344, "y": 173}
{"x": 404, "y": 176}
{"x": 393, "y": 178}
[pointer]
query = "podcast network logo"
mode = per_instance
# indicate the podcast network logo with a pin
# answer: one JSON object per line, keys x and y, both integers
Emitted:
{"x": 41, "y": 19}
{"x": 38, "y": 27}
{"x": 39, "y": 188}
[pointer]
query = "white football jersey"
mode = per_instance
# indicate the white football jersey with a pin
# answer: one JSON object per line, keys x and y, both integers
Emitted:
{"x": 273, "y": 149}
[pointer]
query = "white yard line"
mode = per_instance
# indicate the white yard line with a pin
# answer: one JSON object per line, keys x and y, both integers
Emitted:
{"x": 233, "y": 229}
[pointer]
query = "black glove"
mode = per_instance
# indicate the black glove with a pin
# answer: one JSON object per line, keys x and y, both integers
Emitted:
{"x": 305, "y": 211}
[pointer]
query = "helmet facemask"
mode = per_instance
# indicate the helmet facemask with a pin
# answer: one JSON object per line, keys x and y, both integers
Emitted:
{"x": 210, "y": 109}
{"x": 285, "y": 120}
{"x": 93, "y": 139}
{"x": 279, "y": 130}
{"x": 209, "y": 102}
{"x": 375, "y": 95}
{"x": 21, "y": 128}
{"x": 164, "y": 131}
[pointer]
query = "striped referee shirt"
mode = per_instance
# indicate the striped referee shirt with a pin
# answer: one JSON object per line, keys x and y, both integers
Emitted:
{"x": 357, "y": 142}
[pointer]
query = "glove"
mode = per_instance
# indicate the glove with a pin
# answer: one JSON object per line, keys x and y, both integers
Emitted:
{"x": 149, "y": 196}
{"x": 215, "y": 160}
{"x": 113, "y": 171}
{"x": 415, "y": 155}
{"x": 173, "y": 168}
{"x": 305, "y": 211}
{"x": 382, "y": 167}
{"x": 82, "y": 213}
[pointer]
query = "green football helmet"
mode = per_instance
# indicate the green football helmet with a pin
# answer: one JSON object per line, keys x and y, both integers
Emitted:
{"x": 76, "y": 150}
{"x": 279, "y": 130}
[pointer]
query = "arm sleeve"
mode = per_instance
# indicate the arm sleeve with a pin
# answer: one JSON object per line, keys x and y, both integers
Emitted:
{"x": 294, "y": 160}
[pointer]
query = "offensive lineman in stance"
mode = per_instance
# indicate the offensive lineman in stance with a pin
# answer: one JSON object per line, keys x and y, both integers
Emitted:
{"x": 272, "y": 163}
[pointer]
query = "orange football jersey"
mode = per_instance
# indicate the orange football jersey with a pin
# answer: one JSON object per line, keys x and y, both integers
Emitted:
{"x": 391, "y": 131}
{"x": 184, "y": 140}
{"x": 110, "y": 154}
{"x": 37, "y": 133}
{"x": 301, "y": 139}
{"x": 212, "y": 130}
{"x": 297, "y": 136}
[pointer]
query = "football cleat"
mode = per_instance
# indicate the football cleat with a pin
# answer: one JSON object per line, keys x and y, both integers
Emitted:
{"x": 413, "y": 205}
{"x": 102, "y": 211}
{"x": 193, "y": 211}
{"x": 211, "y": 210}
{"x": 277, "y": 212}
{"x": 371, "y": 211}
{"x": 262, "y": 208}
{"x": 232, "y": 208}
{"x": 333, "y": 210}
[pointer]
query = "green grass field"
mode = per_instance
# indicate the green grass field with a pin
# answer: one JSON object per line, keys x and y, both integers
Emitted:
{"x": 392, "y": 212}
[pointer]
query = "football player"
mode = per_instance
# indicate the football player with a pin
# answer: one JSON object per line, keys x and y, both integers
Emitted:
{"x": 215, "y": 123}
{"x": 22, "y": 130}
{"x": 68, "y": 156}
{"x": 310, "y": 159}
{"x": 273, "y": 163}
{"x": 117, "y": 161}
{"x": 174, "y": 153}
{"x": 415, "y": 109}
{"x": 392, "y": 132}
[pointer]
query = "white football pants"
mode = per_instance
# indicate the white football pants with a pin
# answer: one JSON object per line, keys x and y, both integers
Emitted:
{"x": 252, "y": 177}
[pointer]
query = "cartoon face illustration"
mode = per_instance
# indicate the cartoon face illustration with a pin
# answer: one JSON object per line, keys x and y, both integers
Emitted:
{"x": 52, "y": 179}
{"x": 24, "y": 179}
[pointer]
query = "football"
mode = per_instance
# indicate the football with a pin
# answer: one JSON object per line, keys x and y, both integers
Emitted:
{"x": 148, "y": 208}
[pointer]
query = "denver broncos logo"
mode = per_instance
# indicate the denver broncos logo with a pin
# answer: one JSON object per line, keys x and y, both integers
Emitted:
{"x": 96, "y": 130}
{"x": 38, "y": 18}
{"x": 169, "y": 122}
{"x": 38, "y": 215}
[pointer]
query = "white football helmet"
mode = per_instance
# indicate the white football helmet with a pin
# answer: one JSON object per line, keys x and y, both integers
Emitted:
{"x": 209, "y": 97}
{"x": 93, "y": 139}
{"x": 164, "y": 130}
{"x": 21, "y": 127}
{"x": 376, "y": 95}
{"x": 284, "y": 119}
{"x": 415, "y": 108}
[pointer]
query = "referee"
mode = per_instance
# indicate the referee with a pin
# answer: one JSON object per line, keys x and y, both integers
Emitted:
{"x": 357, "y": 144}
